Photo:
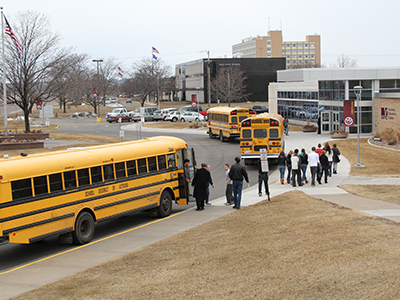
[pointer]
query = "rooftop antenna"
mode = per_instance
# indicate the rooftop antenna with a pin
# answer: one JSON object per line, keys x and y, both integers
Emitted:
{"x": 269, "y": 24}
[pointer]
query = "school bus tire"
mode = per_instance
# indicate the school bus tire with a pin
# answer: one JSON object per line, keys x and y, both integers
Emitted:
{"x": 221, "y": 137}
{"x": 84, "y": 228}
{"x": 165, "y": 207}
{"x": 210, "y": 134}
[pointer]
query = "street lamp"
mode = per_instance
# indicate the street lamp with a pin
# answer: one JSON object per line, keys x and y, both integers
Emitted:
{"x": 97, "y": 61}
{"x": 358, "y": 91}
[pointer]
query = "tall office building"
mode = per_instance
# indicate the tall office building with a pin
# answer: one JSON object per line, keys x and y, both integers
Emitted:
{"x": 298, "y": 54}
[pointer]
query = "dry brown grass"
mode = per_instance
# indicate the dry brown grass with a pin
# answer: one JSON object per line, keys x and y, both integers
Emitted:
{"x": 294, "y": 247}
{"x": 87, "y": 139}
{"x": 378, "y": 162}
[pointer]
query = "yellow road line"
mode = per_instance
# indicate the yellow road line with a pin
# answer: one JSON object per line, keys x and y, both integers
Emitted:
{"x": 83, "y": 246}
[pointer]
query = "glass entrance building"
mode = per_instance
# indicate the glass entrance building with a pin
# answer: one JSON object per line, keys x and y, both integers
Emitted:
{"x": 312, "y": 94}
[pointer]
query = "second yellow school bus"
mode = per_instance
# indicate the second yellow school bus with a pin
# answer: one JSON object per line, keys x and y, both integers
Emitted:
{"x": 65, "y": 193}
{"x": 224, "y": 122}
{"x": 261, "y": 131}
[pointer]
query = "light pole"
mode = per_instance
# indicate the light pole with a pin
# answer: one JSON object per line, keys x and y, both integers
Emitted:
{"x": 97, "y": 61}
{"x": 358, "y": 91}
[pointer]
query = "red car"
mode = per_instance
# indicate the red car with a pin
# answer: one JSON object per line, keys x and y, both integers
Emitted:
{"x": 113, "y": 117}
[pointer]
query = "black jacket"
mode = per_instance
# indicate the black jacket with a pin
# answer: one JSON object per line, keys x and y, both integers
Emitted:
{"x": 303, "y": 158}
{"x": 323, "y": 159}
{"x": 200, "y": 182}
{"x": 238, "y": 172}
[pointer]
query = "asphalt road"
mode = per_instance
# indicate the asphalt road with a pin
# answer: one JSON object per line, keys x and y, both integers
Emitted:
{"x": 211, "y": 151}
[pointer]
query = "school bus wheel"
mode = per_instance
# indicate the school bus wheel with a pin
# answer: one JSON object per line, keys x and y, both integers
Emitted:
{"x": 165, "y": 207}
{"x": 84, "y": 228}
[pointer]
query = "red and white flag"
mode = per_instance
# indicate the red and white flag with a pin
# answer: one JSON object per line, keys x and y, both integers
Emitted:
{"x": 12, "y": 35}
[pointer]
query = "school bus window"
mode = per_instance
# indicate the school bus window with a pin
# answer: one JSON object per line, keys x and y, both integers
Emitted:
{"x": 171, "y": 160}
{"x": 40, "y": 185}
{"x": 234, "y": 120}
{"x": 246, "y": 133}
{"x": 260, "y": 133}
{"x": 69, "y": 180}
{"x": 131, "y": 167}
{"x": 152, "y": 164}
{"x": 120, "y": 170}
{"x": 55, "y": 182}
{"x": 108, "y": 172}
{"x": 274, "y": 133}
{"x": 21, "y": 189}
{"x": 162, "y": 163}
{"x": 96, "y": 174}
{"x": 83, "y": 177}
{"x": 179, "y": 156}
{"x": 142, "y": 165}
{"x": 241, "y": 118}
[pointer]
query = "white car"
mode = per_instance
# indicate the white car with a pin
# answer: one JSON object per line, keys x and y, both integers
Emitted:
{"x": 117, "y": 111}
{"x": 191, "y": 116}
{"x": 173, "y": 116}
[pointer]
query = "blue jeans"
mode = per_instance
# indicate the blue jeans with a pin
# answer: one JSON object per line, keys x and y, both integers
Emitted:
{"x": 289, "y": 174}
{"x": 282, "y": 171}
{"x": 303, "y": 170}
{"x": 237, "y": 192}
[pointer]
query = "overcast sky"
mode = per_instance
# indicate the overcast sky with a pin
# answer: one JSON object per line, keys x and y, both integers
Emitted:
{"x": 183, "y": 30}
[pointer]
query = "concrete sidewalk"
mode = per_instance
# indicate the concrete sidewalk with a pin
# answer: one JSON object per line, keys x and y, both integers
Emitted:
{"x": 37, "y": 273}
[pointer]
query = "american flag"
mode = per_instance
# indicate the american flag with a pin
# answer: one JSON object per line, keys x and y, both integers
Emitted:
{"x": 12, "y": 35}
{"x": 155, "y": 52}
{"x": 120, "y": 72}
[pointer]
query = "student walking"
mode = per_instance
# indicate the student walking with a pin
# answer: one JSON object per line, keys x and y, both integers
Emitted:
{"x": 323, "y": 159}
{"x": 289, "y": 167}
{"x": 303, "y": 165}
{"x": 335, "y": 158}
{"x": 286, "y": 126}
{"x": 262, "y": 178}
{"x": 237, "y": 174}
{"x": 296, "y": 168}
{"x": 313, "y": 160}
{"x": 200, "y": 183}
{"x": 228, "y": 190}
{"x": 329, "y": 154}
{"x": 208, "y": 186}
{"x": 282, "y": 166}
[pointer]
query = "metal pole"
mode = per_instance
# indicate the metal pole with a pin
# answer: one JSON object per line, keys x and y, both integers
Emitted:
{"x": 4, "y": 77}
{"x": 208, "y": 81}
{"x": 97, "y": 61}
{"x": 358, "y": 91}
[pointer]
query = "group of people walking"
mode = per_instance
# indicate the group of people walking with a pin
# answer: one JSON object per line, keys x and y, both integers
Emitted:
{"x": 234, "y": 184}
{"x": 322, "y": 161}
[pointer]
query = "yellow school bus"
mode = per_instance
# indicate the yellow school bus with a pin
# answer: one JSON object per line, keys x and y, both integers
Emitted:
{"x": 261, "y": 131}
{"x": 224, "y": 121}
{"x": 65, "y": 193}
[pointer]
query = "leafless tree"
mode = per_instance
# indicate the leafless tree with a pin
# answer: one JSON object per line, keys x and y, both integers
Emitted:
{"x": 67, "y": 83}
{"x": 150, "y": 78}
{"x": 33, "y": 73}
{"x": 107, "y": 76}
{"x": 230, "y": 85}
{"x": 345, "y": 61}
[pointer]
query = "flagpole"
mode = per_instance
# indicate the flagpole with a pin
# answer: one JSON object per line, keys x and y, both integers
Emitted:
{"x": 4, "y": 77}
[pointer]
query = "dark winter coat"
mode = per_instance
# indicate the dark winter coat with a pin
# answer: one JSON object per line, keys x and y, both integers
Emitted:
{"x": 200, "y": 182}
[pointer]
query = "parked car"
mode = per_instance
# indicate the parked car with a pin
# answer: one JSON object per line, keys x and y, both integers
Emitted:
{"x": 191, "y": 116}
{"x": 259, "y": 109}
{"x": 118, "y": 111}
{"x": 147, "y": 117}
{"x": 128, "y": 100}
{"x": 113, "y": 99}
{"x": 190, "y": 108}
{"x": 114, "y": 117}
{"x": 173, "y": 116}
{"x": 162, "y": 114}
{"x": 148, "y": 110}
